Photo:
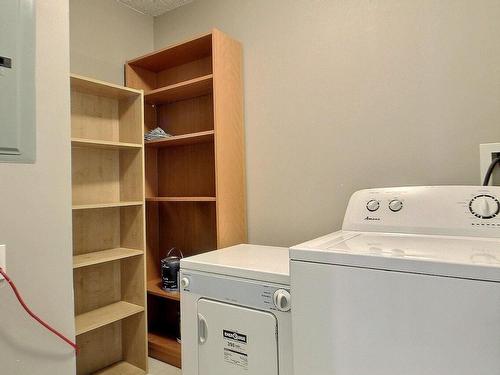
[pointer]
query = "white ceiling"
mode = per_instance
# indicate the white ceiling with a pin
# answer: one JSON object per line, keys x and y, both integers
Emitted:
{"x": 154, "y": 7}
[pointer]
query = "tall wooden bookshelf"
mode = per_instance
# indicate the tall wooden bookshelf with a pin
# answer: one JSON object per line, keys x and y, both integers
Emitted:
{"x": 195, "y": 179}
{"x": 107, "y": 162}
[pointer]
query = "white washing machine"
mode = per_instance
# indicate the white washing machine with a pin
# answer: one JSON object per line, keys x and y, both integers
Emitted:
{"x": 235, "y": 312}
{"x": 410, "y": 286}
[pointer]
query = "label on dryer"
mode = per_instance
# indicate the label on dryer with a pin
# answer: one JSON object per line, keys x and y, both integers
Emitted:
{"x": 235, "y": 349}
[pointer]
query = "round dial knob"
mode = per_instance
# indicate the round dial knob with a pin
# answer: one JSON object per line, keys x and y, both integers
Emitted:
{"x": 484, "y": 206}
{"x": 282, "y": 300}
{"x": 185, "y": 282}
{"x": 395, "y": 205}
{"x": 372, "y": 205}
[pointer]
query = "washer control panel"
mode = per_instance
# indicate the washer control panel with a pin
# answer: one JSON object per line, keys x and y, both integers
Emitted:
{"x": 446, "y": 210}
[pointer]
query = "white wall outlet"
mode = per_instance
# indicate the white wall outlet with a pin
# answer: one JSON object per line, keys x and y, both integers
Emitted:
{"x": 2, "y": 261}
{"x": 488, "y": 152}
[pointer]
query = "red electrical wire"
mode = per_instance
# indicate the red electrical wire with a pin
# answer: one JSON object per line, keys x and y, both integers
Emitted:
{"x": 33, "y": 315}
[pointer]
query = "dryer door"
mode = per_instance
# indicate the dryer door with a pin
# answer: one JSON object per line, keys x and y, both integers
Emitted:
{"x": 235, "y": 340}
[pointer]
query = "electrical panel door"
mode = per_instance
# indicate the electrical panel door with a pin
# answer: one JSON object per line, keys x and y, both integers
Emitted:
{"x": 17, "y": 81}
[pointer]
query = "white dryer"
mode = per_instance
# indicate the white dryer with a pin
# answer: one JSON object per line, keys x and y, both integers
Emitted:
{"x": 235, "y": 312}
{"x": 410, "y": 286}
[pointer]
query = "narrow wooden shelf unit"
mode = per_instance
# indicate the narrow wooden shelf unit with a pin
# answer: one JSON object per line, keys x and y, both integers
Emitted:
{"x": 195, "y": 179}
{"x": 107, "y": 165}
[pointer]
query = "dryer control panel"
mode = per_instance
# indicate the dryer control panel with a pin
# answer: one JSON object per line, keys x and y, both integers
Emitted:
{"x": 264, "y": 296}
{"x": 441, "y": 210}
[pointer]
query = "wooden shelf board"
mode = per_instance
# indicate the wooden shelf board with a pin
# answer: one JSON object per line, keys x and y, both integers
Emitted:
{"x": 106, "y": 205}
{"x": 164, "y": 348}
{"x": 183, "y": 90}
{"x": 94, "y": 143}
{"x": 104, "y": 256}
{"x": 121, "y": 368}
{"x": 105, "y": 315}
{"x": 100, "y": 88}
{"x": 153, "y": 287}
{"x": 181, "y": 140}
{"x": 181, "y": 199}
{"x": 176, "y": 54}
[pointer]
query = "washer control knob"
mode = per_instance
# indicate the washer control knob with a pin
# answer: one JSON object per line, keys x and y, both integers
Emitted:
{"x": 484, "y": 206}
{"x": 373, "y": 205}
{"x": 185, "y": 282}
{"x": 282, "y": 300}
{"x": 395, "y": 205}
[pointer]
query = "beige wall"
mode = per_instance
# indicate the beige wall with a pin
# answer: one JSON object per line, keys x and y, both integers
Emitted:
{"x": 344, "y": 95}
{"x": 36, "y": 217}
{"x": 104, "y": 34}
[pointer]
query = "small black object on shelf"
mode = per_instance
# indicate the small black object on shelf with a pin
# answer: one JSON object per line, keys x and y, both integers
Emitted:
{"x": 170, "y": 266}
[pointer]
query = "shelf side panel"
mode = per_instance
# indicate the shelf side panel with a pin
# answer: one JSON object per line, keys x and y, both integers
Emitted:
{"x": 152, "y": 241}
{"x": 131, "y": 119}
{"x": 230, "y": 144}
{"x": 151, "y": 166}
{"x": 133, "y": 281}
{"x": 135, "y": 347}
{"x": 140, "y": 78}
{"x": 132, "y": 227}
{"x": 131, "y": 175}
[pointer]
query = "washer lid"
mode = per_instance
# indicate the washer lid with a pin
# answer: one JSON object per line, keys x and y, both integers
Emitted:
{"x": 263, "y": 263}
{"x": 464, "y": 257}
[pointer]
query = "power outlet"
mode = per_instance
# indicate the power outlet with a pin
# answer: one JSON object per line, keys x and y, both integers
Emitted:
{"x": 488, "y": 152}
{"x": 3, "y": 262}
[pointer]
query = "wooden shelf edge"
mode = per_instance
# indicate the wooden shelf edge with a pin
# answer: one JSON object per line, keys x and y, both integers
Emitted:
{"x": 95, "y": 143}
{"x": 138, "y": 60}
{"x": 104, "y": 256}
{"x": 153, "y": 287}
{"x": 121, "y": 368}
{"x": 106, "y": 205}
{"x": 96, "y": 87}
{"x": 181, "y": 199}
{"x": 184, "y": 139}
{"x": 164, "y": 348}
{"x": 180, "y": 91}
{"x": 103, "y": 316}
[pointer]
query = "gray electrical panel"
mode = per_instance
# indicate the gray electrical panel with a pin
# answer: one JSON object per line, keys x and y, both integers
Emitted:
{"x": 17, "y": 81}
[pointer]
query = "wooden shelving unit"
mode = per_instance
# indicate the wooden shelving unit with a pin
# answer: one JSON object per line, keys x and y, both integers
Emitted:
{"x": 108, "y": 227}
{"x": 195, "y": 179}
